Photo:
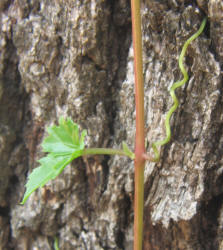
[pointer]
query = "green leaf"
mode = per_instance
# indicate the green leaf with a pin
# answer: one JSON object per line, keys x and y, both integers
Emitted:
{"x": 49, "y": 169}
{"x": 64, "y": 139}
{"x": 128, "y": 152}
{"x": 63, "y": 145}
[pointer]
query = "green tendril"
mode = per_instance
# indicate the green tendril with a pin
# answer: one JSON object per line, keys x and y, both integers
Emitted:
{"x": 172, "y": 93}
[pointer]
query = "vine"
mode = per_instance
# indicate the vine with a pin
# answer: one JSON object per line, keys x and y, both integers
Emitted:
{"x": 65, "y": 143}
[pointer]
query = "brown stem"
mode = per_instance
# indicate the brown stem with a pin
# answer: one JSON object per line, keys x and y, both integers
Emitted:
{"x": 140, "y": 134}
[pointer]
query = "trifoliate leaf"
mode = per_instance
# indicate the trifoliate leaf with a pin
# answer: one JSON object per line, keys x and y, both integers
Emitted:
{"x": 128, "y": 152}
{"x": 63, "y": 145}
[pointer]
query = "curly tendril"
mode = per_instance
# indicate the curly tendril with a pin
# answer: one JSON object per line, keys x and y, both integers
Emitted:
{"x": 172, "y": 93}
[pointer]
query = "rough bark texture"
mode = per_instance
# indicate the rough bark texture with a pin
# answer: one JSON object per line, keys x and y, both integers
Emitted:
{"x": 75, "y": 58}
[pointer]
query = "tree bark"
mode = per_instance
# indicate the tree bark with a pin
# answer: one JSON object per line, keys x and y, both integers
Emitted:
{"x": 75, "y": 58}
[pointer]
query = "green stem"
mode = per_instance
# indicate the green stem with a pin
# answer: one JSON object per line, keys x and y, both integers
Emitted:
{"x": 103, "y": 151}
{"x": 140, "y": 130}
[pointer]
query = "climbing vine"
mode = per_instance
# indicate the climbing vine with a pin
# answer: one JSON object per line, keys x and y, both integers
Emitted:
{"x": 65, "y": 143}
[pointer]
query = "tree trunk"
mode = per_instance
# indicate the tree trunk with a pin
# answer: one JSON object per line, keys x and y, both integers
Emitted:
{"x": 75, "y": 58}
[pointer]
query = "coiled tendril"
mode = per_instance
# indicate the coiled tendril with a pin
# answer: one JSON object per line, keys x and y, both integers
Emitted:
{"x": 172, "y": 93}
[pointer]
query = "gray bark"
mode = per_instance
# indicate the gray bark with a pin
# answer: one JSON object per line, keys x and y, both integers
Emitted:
{"x": 75, "y": 58}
